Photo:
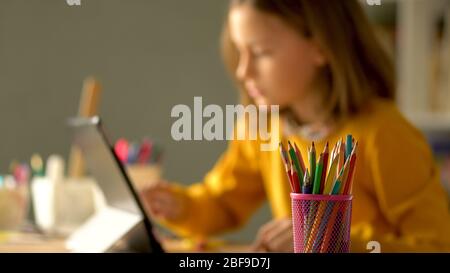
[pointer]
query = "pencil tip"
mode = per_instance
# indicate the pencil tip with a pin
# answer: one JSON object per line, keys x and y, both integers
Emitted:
{"x": 355, "y": 147}
{"x": 325, "y": 150}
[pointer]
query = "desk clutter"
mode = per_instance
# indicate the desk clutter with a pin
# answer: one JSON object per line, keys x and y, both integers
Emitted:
{"x": 142, "y": 160}
{"x": 39, "y": 194}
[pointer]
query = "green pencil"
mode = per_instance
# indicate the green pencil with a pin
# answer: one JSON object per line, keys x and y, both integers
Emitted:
{"x": 336, "y": 187}
{"x": 318, "y": 176}
{"x": 296, "y": 163}
{"x": 312, "y": 161}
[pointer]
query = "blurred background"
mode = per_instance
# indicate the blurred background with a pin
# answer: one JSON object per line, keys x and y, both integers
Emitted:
{"x": 152, "y": 55}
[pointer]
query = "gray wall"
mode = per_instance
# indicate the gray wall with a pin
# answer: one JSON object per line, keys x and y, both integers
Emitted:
{"x": 149, "y": 55}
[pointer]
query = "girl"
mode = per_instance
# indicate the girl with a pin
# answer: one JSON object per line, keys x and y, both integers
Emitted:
{"x": 321, "y": 63}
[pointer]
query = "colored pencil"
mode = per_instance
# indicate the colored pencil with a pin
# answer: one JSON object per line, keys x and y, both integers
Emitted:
{"x": 318, "y": 175}
{"x": 349, "y": 180}
{"x": 331, "y": 176}
{"x": 295, "y": 181}
{"x": 324, "y": 168}
{"x": 286, "y": 166}
{"x": 312, "y": 161}
{"x": 295, "y": 163}
{"x": 300, "y": 158}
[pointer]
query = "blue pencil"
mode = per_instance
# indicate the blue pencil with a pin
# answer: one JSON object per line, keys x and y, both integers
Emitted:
{"x": 348, "y": 146}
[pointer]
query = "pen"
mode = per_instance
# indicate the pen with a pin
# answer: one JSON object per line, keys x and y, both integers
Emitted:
{"x": 37, "y": 165}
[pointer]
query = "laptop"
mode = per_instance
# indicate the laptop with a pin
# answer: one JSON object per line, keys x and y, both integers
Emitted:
{"x": 123, "y": 225}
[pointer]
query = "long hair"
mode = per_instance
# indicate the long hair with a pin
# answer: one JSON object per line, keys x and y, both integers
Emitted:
{"x": 358, "y": 67}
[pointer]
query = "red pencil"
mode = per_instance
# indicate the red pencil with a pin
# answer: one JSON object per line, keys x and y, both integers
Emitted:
{"x": 287, "y": 166}
{"x": 349, "y": 180}
{"x": 295, "y": 181}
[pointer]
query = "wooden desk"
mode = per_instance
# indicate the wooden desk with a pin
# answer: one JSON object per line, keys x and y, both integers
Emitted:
{"x": 16, "y": 242}
{"x": 185, "y": 246}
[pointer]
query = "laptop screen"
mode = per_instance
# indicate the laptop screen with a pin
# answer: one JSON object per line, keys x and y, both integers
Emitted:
{"x": 103, "y": 164}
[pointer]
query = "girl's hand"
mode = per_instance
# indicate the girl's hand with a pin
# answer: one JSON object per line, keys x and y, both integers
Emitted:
{"x": 161, "y": 201}
{"x": 275, "y": 236}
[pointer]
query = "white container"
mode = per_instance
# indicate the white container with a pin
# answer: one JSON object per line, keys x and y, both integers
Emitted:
{"x": 62, "y": 206}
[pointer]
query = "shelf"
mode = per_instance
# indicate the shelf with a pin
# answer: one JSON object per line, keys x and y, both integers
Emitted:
{"x": 430, "y": 122}
{"x": 415, "y": 23}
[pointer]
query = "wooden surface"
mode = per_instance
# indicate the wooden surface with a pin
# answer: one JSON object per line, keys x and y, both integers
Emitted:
{"x": 16, "y": 242}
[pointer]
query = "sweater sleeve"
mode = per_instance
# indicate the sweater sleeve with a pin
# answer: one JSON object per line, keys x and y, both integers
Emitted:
{"x": 226, "y": 197}
{"x": 408, "y": 192}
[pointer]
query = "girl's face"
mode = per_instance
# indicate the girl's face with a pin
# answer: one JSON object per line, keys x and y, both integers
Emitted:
{"x": 276, "y": 64}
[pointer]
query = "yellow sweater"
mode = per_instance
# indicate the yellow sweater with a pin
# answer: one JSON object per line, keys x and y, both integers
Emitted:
{"x": 398, "y": 198}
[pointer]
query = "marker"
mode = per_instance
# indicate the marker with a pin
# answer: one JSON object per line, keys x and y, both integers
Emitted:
{"x": 145, "y": 152}
{"x": 121, "y": 149}
{"x": 133, "y": 153}
{"x": 37, "y": 165}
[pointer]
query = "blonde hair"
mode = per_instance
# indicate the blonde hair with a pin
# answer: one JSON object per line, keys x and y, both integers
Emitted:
{"x": 358, "y": 67}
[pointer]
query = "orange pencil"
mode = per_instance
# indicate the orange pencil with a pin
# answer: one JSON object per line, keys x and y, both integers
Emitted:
{"x": 313, "y": 239}
{"x": 300, "y": 158}
{"x": 331, "y": 176}
{"x": 287, "y": 166}
{"x": 329, "y": 231}
{"x": 333, "y": 152}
